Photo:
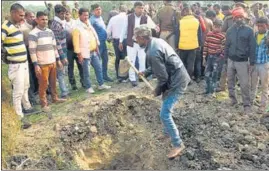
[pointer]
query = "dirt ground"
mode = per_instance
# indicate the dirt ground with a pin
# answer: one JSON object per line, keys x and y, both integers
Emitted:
{"x": 118, "y": 130}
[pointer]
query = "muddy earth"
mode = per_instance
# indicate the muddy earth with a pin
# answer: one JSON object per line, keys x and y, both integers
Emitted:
{"x": 120, "y": 133}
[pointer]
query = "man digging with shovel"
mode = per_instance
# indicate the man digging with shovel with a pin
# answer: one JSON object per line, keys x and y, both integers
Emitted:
{"x": 172, "y": 79}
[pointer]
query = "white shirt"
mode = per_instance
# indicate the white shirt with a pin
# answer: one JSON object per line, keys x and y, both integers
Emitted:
{"x": 123, "y": 34}
{"x": 63, "y": 22}
{"x": 70, "y": 25}
{"x": 114, "y": 26}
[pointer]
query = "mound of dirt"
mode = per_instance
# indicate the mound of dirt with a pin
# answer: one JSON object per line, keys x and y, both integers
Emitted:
{"x": 121, "y": 132}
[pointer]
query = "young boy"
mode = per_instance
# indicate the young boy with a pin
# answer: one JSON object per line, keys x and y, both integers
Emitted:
{"x": 213, "y": 50}
{"x": 261, "y": 67}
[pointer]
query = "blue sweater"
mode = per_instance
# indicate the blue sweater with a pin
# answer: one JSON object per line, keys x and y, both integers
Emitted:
{"x": 100, "y": 27}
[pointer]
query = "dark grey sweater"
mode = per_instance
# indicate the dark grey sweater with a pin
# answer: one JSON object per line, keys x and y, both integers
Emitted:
{"x": 240, "y": 44}
{"x": 167, "y": 67}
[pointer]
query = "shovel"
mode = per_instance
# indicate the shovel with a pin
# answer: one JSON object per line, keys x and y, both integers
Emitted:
{"x": 125, "y": 66}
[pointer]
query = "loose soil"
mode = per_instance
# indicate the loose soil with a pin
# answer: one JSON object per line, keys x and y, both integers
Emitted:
{"x": 119, "y": 130}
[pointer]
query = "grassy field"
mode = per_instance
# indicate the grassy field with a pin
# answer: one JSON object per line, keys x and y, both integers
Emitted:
{"x": 10, "y": 122}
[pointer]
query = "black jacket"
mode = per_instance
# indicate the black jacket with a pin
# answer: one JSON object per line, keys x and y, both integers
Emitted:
{"x": 167, "y": 67}
{"x": 240, "y": 44}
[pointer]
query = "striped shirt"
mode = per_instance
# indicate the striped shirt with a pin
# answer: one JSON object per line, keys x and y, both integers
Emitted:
{"x": 60, "y": 36}
{"x": 262, "y": 56}
{"x": 42, "y": 46}
{"x": 214, "y": 44}
{"x": 12, "y": 39}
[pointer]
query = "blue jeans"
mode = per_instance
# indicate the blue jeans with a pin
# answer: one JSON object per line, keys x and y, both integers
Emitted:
{"x": 170, "y": 127}
{"x": 62, "y": 85}
{"x": 95, "y": 62}
{"x": 212, "y": 72}
{"x": 104, "y": 57}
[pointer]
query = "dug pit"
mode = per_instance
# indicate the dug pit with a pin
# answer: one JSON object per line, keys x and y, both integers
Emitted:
{"x": 121, "y": 134}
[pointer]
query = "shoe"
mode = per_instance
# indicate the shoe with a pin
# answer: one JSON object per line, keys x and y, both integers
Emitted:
{"x": 233, "y": 103}
{"x": 60, "y": 101}
{"x": 198, "y": 80}
{"x": 30, "y": 111}
{"x": 104, "y": 87}
{"x": 46, "y": 109}
{"x": 74, "y": 88}
{"x": 247, "y": 110}
{"x": 177, "y": 151}
{"x": 121, "y": 80}
{"x": 107, "y": 79}
{"x": 25, "y": 124}
{"x": 261, "y": 110}
{"x": 90, "y": 90}
{"x": 134, "y": 83}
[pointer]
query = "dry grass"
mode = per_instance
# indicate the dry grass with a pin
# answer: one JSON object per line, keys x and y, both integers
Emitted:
{"x": 10, "y": 122}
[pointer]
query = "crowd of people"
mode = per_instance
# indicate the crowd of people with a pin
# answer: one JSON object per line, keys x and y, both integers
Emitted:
{"x": 178, "y": 45}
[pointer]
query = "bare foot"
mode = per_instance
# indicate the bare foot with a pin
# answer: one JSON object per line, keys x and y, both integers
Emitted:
{"x": 177, "y": 151}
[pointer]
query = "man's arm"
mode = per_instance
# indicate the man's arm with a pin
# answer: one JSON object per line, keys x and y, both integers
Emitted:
{"x": 46, "y": 4}
{"x": 252, "y": 48}
{"x": 159, "y": 69}
{"x": 124, "y": 29}
{"x": 58, "y": 36}
{"x": 205, "y": 50}
{"x": 199, "y": 34}
{"x": 227, "y": 45}
{"x": 109, "y": 28}
{"x": 75, "y": 39}
{"x": 225, "y": 25}
{"x": 3, "y": 50}
{"x": 32, "y": 48}
{"x": 55, "y": 48}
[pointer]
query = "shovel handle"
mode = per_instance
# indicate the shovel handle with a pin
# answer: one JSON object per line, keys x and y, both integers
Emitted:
{"x": 142, "y": 77}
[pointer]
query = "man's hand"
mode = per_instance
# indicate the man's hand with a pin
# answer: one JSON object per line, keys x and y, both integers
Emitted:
{"x": 64, "y": 62}
{"x": 37, "y": 71}
{"x": 251, "y": 68}
{"x": 141, "y": 74}
{"x": 121, "y": 47}
{"x": 80, "y": 58}
{"x": 204, "y": 62}
{"x": 59, "y": 65}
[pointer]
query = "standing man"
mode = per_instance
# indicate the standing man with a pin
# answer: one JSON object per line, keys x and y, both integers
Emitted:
{"x": 58, "y": 28}
{"x": 240, "y": 51}
{"x": 100, "y": 27}
{"x": 172, "y": 81}
{"x": 65, "y": 5}
{"x": 261, "y": 68}
{"x": 228, "y": 22}
{"x": 190, "y": 38}
{"x": 75, "y": 11}
{"x": 25, "y": 28}
{"x": 114, "y": 30}
{"x": 14, "y": 53}
{"x": 85, "y": 41}
{"x": 112, "y": 13}
{"x": 132, "y": 21}
{"x": 216, "y": 8}
{"x": 44, "y": 59}
{"x": 71, "y": 56}
{"x": 50, "y": 10}
{"x": 167, "y": 18}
